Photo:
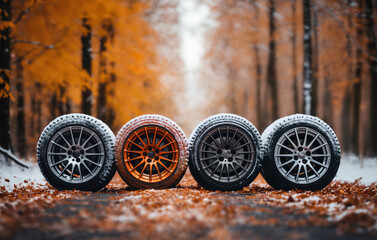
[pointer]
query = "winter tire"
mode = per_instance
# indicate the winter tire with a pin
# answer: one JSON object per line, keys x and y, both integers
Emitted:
{"x": 225, "y": 152}
{"x": 76, "y": 151}
{"x": 151, "y": 152}
{"x": 300, "y": 152}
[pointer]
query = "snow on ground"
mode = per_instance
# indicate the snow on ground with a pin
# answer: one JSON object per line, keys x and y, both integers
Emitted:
{"x": 12, "y": 174}
{"x": 351, "y": 169}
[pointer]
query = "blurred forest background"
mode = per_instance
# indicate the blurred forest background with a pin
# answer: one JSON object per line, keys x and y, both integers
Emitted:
{"x": 117, "y": 59}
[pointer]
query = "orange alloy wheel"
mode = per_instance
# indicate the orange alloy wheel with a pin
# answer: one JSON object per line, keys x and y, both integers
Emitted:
{"x": 151, "y": 152}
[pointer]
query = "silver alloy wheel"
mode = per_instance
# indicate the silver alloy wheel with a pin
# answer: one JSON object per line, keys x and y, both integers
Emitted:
{"x": 302, "y": 155}
{"x": 75, "y": 154}
{"x": 226, "y": 154}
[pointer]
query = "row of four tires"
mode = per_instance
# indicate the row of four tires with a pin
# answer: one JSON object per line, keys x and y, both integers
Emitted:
{"x": 77, "y": 151}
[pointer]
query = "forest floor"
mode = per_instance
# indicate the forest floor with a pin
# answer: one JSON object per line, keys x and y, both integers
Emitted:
{"x": 31, "y": 209}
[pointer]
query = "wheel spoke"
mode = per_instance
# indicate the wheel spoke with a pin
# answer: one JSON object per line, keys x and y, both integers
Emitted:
{"x": 221, "y": 138}
{"x": 167, "y": 152}
{"x": 159, "y": 142}
{"x": 247, "y": 152}
{"x": 65, "y": 168}
{"x": 94, "y": 145}
{"x": 135, "y": 144}
{"x": 154, "y": 137}
{"x": 167, "y": 159}
{"x": 239, "y": 165}
{"x": 234, "y": 169}
{"x": 324, "y": 144}
{"x": 213, "y": 172}
{"x": 320, "y": 155}
{"x": 131, "y": 151}
{"x": 146, "y": 133}
{"x": 57, "y": 144}
{"x": 244, "y": 160}
{"x": 298, "y": 172}
{"x": 94, "y": 154}
{"x": 288, "y": 162}
{"x": 227, "y": 135}
{"x": 91, "y": 173}
{"x": 150, "y": 172}
{"x": 212, "y": 152}
{"x": 227, "y": 169}
{"x": 290, "y": 170}
{"x": 234, "y": 135}
{"x": 316, "y": 162}
{"x": 243, "y": 145}
{"x": 298, "y": 138}
{"x": 239, "y": 139}
{"x": 57, "y": 154}
{"x": 73, "y": 169}
{"x": 210, "y": 165}
{"x": 73, "y": 138}
{"x": 78, "y": 141}
{"x": 306, "y": 173}
{"x": 158, "y": 170}
{"x": 208, "y": 158}
{"x": 315, "y": 138}
{"x": 290, "y": 149}
{"x": 65, "y": 140}
{"x": 316, "y": 173}
{"x": 133, "y": 169}
{"x": 142, "y": 171}
{"x": 88, "y": 160}
{"x": 221, "y": 171}
{"x": 79, "y": 167}
{"x": 306, "y": 137}
{"x": 140, "y": 139}
{"x": 217, "y": 144}
{"x": 87, "y": 140}
{"x": 284, "y": 155}
{"x": 58, "y": 162}
{"x": 135, "y": 158}
{"x": 209, "y": 145}
{"x": 164, "y": 166}
{"x": 166, "y": 145}
{"x": 290, "y": 140}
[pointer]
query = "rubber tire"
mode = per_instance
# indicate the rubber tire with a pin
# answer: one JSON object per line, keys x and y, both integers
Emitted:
{"x": 108, "y": 169}
{"x": 156, "y": 120}
{"x": 199, "y": 133}
{"x": 272, "y": 134}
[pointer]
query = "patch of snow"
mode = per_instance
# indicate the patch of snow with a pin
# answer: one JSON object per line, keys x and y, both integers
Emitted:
{"x": 351, "y": 169}
{"x": 12, "y": 174}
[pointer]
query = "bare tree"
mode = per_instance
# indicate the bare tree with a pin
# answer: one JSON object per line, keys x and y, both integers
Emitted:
{"x": 294, "y": 60}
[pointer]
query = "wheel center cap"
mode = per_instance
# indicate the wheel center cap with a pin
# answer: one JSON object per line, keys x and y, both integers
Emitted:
{"x": 151, "y": 154}
{"x": 76, "y": 154}
{"x": 227, "y": 154}
{"x": 301, "y": 155}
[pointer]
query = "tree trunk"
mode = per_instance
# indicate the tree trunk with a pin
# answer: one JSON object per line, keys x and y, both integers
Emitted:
{"x": 347, "y": 100}
{"x": 372, "y": 50}
{"x": 357, "y": 85}
{"x": 271, "y": 67}
{"x": 5, "y": 60}
{"x": 294, "y": 61}
{"x": 86, "y": 42}
{"x": 111, "y": 87}
{"x": 314, "y": 91}
{"x": 308, "y": 67}
{"x": 20, "y": 130}
{"x": 103, "y": 78}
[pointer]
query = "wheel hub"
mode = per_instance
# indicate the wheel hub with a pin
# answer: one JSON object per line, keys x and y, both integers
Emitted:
{"x": 151, "y": 154}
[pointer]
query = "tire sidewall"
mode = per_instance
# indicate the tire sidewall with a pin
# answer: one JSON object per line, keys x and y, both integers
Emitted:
{"x": 272, "y": 174}
{"x": 197, "y": 170}
{"x": 158, "y": 121}
{"x": 107, "y": 169}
